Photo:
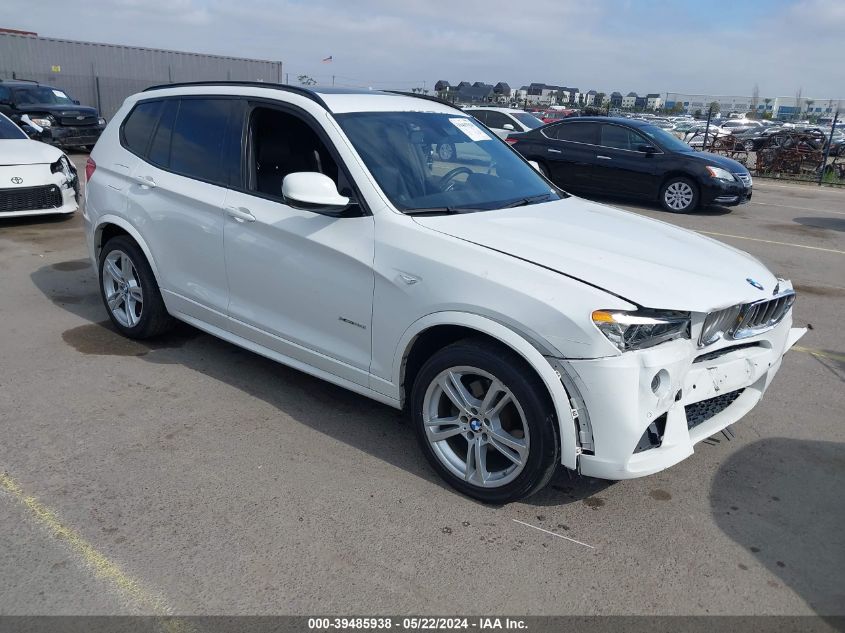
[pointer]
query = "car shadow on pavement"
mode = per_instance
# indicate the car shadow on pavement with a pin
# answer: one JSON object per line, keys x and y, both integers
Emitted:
{"x": 828, "y": 224}
{"x": 364, "y": 424}
{"x": 783, "y": 500}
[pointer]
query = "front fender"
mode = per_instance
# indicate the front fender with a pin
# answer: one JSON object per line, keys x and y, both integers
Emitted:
{"x": 517, "y": 343}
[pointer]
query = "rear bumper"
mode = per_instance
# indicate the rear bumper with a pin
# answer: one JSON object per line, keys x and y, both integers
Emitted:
{"x": 637, "y": 431}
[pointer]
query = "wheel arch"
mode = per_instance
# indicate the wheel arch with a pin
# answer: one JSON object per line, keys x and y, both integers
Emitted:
{"x": 109, "y": 226}
{"x": 435, "y": 331}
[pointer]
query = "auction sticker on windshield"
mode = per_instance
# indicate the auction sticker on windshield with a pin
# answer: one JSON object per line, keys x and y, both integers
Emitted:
{"x": 466, "y": 126}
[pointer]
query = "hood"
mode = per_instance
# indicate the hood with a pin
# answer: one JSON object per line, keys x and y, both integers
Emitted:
{"x": 26, "y": 152}
{"x": 58, "y": 110}
{"x": 724, "y": 162}
{"x": 644, "y": 261}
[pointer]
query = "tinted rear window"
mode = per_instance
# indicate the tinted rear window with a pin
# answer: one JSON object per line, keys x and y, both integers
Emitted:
{"x": 199, "y": 132}
{"x": 139, "y": 126}
{"x": 577, "y": 132}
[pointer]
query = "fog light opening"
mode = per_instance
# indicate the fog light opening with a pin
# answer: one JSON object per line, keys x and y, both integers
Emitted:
{"x": 660, "y": 383}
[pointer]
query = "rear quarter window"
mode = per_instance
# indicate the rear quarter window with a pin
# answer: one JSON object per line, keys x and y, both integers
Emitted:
{"x": 137, "y": 129}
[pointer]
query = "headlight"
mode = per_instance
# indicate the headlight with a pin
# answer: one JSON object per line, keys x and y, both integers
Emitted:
{"x": 42, "y": 122}
{"x": 641, "y": 328}
{"x": 101, "y": 121}
{"x": 720, "y": 174}
{"x": 63, "y": 165}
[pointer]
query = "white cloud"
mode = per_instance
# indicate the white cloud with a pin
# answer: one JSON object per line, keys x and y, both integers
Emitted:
{"x": 607, "y": 45}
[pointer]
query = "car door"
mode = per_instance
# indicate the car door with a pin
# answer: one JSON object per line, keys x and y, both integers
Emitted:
{"x": 569, "y": 152}
{"x": 300, "y": 282}
{"x": 622, "y": 167}
{"x": 497, "y": 121}
{"x": 175, "y": 199}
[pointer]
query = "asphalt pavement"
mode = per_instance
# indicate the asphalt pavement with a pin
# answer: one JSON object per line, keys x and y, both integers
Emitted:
{"x": 189, "y": 476}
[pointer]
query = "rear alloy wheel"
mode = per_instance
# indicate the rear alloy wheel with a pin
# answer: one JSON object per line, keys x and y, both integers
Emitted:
{"x": 679, "y": 195}
{"x": 130, "y": 292}
{"x": 485, "y": 422}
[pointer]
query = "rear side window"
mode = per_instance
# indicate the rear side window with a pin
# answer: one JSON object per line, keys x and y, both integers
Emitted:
{"x": 160, "y": 148}
{"x": 619, "y": 137}
{"x": 577, "y": 132}
{"x": 139, "y": 125}
{"x": 498, "y": 120}
{"x": 197, "y": 139}
{"x": 481, "y": 115}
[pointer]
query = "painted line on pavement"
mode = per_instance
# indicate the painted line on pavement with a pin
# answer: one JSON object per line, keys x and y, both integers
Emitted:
{"x": 103, "y": 568}
{"x": 757, "y": 239}
{"x": 552, "y": 533}
{"x": 789, "y": 206}
{"x": 820, "y": 353}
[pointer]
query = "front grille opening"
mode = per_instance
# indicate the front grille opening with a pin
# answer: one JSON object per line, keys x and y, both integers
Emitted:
{"x": 700, "y": 412}
{"x": 653, "y": 436}
{"x": 721, "y": 352}
{"x": 30, "y": 198}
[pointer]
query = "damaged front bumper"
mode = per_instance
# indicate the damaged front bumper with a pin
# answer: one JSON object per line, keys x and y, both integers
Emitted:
{"x": 643, "y": 411}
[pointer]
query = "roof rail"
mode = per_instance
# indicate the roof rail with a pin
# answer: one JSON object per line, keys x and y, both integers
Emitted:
{"x": 420, "y": 96}
{"x": 31, "y": 81}
{"x": 305, "y": 92}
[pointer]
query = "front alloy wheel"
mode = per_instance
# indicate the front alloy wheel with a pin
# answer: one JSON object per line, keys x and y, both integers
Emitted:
{"x": 476, "y": 427}
{"x": 485, "y": 421}
{"x": 679, "y": 195}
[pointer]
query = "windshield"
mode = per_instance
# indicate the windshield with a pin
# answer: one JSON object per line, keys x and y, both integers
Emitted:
{"x": 9, "y": 130}
{"x": 664, "y": 139}
{"x": 528, "y": 120}
{"x": 41, "y": 95}
{"x": 442, "y": 162}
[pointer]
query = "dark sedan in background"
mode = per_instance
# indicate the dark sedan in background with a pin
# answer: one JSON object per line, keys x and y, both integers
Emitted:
{"x": 625, "y": 157}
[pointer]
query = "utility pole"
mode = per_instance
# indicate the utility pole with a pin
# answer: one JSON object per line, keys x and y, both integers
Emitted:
{"x": 332, "y": 81}
{"x": 707, "y": 128}
{"x": 827, "y": 149}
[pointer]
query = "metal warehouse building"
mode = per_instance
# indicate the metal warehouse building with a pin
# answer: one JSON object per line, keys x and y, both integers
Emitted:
{"x": 103, "y": 75}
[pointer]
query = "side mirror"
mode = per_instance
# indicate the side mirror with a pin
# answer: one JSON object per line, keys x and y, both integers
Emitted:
{"x": 509, "y": 126}
{"x": 76, "y": 101}
{"x": 313, "y": 191}
{"x": 647, "y": 149}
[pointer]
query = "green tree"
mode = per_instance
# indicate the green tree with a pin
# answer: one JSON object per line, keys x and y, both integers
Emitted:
{"x": 305, "y": 80}
{"x": 714, "y": 107}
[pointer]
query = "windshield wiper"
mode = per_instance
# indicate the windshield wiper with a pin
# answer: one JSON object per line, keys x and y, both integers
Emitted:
{"x": 440, "y": 211}
{"x": 529, "y": 200}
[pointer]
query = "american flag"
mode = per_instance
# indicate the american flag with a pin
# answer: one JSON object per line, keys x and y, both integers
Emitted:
{"x": 327, "y": 60}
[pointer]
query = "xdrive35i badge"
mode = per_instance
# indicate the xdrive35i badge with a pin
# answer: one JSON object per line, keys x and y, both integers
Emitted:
{"x": 756, "y": 284}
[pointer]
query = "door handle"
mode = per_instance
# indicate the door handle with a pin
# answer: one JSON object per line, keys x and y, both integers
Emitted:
{"x": 603, "y": 157}
{"x": 144, "y": 181}
{"x": 240, "y": 214}
{"x": 554, "y": 151}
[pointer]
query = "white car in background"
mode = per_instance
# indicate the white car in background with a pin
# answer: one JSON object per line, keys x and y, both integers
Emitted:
{"x": 505, "y": 121}
{"x": 35, "y": 178}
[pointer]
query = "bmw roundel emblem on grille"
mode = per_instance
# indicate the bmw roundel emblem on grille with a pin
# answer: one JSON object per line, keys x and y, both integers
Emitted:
{"x": 756, "y": 284}
{"x": 17, "y": 180}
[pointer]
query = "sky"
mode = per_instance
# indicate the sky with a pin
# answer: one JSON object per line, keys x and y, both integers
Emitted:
{"x": 718, "y": 47}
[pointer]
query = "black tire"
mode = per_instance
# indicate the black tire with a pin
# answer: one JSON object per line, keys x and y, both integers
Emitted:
{"x": 533, "y": 398}
{"x": 673, "y": 204}
{"x": 446, "y": 151}
{"x": 154, "y": 318}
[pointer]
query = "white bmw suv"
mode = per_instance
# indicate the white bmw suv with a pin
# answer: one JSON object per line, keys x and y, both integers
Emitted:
{"x": 521, "y": 327}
